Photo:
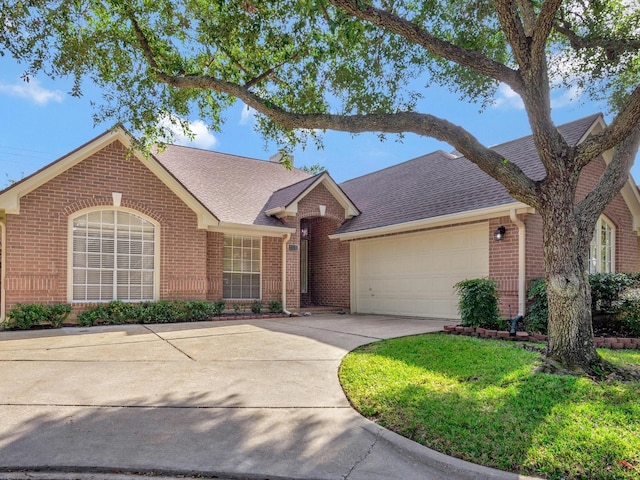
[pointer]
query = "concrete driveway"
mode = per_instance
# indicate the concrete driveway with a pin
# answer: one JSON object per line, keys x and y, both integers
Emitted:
{"x": 257, "y": 398}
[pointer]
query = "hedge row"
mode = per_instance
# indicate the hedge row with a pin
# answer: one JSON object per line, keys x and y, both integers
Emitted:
{"x": 27, "y": 316}
{"x": 615, "y": 299}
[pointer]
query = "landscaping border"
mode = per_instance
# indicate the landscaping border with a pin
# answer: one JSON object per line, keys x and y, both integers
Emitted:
{"x": 614, "y": 343}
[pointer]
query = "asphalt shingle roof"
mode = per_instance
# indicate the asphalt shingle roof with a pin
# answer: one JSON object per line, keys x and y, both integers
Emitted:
{"x": 439, "y": 184}
{"x": 284, "y": 196}
{"x": 235, "y": 189}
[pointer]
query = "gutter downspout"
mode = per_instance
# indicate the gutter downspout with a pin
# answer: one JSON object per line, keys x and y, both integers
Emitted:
{"x": 285, "y": 240}
{"x": 522, "y": 278}
{"x": 3, "y": 267}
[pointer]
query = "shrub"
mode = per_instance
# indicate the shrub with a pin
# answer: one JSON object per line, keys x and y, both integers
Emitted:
{"x": 606, "y": 289}
{"x": 256, "y": 307}
{"x": 275, "y": 306}
{"x": 164, "y": 311}
{"x": 26, "y": 316}
{"x": 538, "y": 308}
{"x": 58, "y": 314}
{"x": 630, "y": 311}
{"x": 615, "y": 298}
{"x": 218, "y": 307}
{"x": 478, "y": 304}
{"x": 115, "y": 312}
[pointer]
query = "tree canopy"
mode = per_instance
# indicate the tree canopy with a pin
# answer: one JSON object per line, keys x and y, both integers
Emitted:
{"x": 363, "y": 66}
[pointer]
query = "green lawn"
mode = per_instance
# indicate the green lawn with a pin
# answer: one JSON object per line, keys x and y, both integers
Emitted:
{"x": 479, "y": 400}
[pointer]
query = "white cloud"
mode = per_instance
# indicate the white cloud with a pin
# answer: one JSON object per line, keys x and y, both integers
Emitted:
{"x": 247, "y": 115}
{"x": 32, "y": 90}
{"x": 203, "y": 138}
{"x": 507, "y": 98}
{"x": 567, "y": 97}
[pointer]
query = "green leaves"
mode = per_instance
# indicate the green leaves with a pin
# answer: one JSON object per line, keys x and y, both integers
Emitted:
{"x": 305, "y": 57}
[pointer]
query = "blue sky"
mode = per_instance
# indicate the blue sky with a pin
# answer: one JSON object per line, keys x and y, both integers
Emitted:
{"x": 40, "y": 123}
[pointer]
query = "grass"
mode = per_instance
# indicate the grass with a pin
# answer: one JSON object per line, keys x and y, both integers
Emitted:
{"x": 479, "y": 400}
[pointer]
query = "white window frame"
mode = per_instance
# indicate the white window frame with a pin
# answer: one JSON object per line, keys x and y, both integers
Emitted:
{"x": 238, "y": 264}
{"x": 70, "y": 248}
{"x": 602, "y": 252}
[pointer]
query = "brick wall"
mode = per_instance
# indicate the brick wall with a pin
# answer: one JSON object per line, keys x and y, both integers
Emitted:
{"x": 36, "y": 256}
{"x": 329, "y": 279}
{"x": 329, "y": 264}
{"x": 271, "y": 269}
{"x": 503, "y": 263}
{"x": 503, "y": 255}
{"x": 626, "y": 242}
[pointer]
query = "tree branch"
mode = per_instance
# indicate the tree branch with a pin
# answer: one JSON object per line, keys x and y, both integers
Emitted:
{"x": 510, "y": 175}
{"x": 622, "y": 125}
{"x": 436, "y": 46}
{"x": 514, "y": 31}
{"x": 543, "y": 27}
{"x": 528, "y": 16}
{"x": 612, "y": 47}
{"x": 615, "y": 175}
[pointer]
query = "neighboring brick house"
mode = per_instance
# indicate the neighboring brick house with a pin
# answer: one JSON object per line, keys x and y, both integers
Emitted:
{"x": 99, "y": 224}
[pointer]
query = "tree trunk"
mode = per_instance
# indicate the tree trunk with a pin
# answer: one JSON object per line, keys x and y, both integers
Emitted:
{"x": 570, "y": 330}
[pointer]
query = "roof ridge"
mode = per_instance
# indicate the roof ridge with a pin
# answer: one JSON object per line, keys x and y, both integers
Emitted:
{"x": 216, "y": 152}
{"x": 563, "y": 126}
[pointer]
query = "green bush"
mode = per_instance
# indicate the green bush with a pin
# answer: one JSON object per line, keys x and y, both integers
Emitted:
{"x": 256, "y": 307}
{"x": 629, "y": 314}
{"x": 26, "y": 316}
{"x": 164, "y": 311}
{"x": 615, "y": 299}
{"x": 478, "y": 304}
{"x": 606, "y": 290}
{"x": 275, "y": 306}
{"x": 538, "y": 307}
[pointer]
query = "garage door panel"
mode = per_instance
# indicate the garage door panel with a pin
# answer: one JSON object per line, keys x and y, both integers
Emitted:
{"x": 414, "y": 274}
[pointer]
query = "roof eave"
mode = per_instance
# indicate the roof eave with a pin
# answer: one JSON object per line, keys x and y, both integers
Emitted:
{"x": 462, "y": 217}
{"x": 248, "y": 229}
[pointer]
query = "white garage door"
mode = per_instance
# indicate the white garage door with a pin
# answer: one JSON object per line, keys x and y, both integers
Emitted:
{"x": 414, "y": 274}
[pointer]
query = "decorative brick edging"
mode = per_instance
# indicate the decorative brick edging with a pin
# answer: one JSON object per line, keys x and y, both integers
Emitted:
{"x": 600, "y": 342}
{"x": 242, "y": 316}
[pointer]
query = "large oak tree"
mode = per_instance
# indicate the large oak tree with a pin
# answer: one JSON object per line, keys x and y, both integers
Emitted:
{"x": 361, "y": 66}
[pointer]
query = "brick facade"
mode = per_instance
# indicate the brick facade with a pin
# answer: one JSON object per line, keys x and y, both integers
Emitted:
{"x": 329, "y": 278}
{"x": 191, "y": 267}
{"x": 190, "y": 258}
{"x": 503, "y": 256}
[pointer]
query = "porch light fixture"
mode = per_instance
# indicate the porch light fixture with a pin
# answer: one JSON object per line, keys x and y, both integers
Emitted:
{"x": 499, "y": 233}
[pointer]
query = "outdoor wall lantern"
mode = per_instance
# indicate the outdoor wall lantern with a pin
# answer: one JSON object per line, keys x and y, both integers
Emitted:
{"x": 499, "y": 233}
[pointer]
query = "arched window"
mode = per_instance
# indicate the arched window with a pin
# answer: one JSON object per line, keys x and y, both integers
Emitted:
{"x": 602, "y": 258}
{"x": 113, "y": 257}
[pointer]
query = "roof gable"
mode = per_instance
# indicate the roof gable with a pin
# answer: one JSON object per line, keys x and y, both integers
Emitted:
{"x": 10, "y": 197}
{"x": 285, "y": 201}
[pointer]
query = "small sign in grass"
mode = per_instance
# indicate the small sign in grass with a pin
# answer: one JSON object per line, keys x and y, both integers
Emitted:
{"x": 479, "y": 400}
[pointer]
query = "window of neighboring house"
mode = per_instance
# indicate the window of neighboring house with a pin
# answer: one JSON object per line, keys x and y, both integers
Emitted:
{"x": 241, "y": 267}
{"x": 113, "y": 257}
{"x": 602, "y": 258}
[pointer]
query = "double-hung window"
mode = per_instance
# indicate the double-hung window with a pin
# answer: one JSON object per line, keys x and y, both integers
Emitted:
{"x": 113, "y": 257}
{"x": 602, "y": 253}
{"x": 241, "y": 267}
